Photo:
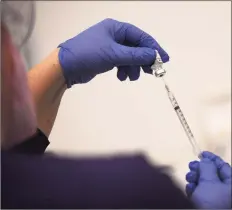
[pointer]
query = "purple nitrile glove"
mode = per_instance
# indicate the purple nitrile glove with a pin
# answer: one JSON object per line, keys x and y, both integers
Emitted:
{"x": 209, "y": 182}
{"x": 106, "y": 45}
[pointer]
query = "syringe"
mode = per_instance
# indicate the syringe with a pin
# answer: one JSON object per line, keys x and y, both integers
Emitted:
{"x": 159, "y": 71}
{"x": 183, "y": 121}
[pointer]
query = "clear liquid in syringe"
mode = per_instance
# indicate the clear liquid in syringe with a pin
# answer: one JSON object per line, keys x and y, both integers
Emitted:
{"x": 183, "y": 121}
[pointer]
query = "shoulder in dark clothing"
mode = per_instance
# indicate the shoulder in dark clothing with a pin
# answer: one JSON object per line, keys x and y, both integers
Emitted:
{"x": 116, "y": 182}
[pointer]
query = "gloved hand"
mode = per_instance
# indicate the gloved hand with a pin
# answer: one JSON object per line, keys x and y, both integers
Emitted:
{"x": 105, "y": 45}
{"x": 209, "y": 182}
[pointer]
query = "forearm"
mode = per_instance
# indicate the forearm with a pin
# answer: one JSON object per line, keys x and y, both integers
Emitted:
{"x": 47, "y": 86}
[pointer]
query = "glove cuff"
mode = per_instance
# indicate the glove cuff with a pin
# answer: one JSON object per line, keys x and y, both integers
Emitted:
{"x": 61, "y": 55}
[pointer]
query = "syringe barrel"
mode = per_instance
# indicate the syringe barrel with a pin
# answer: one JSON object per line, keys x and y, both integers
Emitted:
{"x": 173, "y": 100}
{"x": 180, "y": 115}
{"x": 184, "y": 123}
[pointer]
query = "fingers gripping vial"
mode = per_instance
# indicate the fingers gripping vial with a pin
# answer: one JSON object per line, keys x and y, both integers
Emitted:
{"x": 159, "y": 71}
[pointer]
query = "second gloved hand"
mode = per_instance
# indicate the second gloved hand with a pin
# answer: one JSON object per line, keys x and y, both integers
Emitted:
{"x": 104, "y": 46}
{"x": 209, "y": 182}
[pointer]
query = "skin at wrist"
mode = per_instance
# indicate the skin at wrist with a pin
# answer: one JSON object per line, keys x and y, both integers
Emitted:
{"x": 47, "y": 85}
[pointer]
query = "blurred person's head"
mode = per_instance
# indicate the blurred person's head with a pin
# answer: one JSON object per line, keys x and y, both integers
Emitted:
{"x": 18, "y": 119}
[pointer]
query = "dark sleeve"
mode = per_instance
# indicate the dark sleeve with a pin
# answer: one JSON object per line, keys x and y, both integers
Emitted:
{"x": 36, "y": 144}
{"x": 39, "y": 182}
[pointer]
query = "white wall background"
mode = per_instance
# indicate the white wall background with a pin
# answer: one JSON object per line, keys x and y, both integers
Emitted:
{"x": 107, "y": 116}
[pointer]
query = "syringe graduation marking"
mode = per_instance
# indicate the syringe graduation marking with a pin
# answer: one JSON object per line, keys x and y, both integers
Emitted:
{"x": 182, "y": 120}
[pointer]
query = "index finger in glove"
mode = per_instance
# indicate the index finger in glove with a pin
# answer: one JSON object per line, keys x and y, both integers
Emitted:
{"x": 136, "y": 37}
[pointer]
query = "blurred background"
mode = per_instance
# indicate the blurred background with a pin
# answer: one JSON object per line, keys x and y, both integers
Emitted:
{"x": 106, "y": 116}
